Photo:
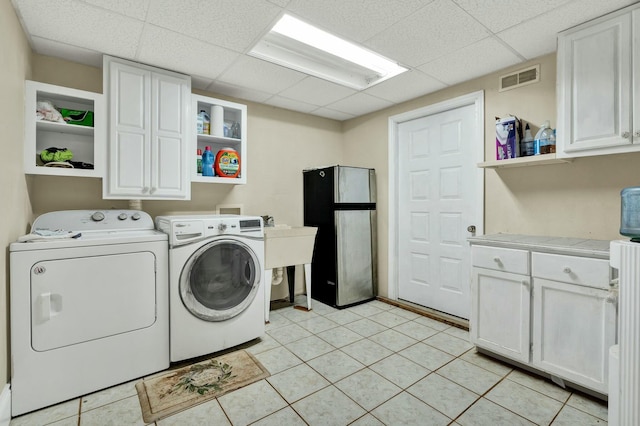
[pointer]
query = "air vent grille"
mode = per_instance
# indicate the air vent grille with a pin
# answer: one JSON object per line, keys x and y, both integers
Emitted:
{"x": 520, "y": 78}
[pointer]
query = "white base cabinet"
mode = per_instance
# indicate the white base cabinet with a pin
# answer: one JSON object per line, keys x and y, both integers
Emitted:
{"x": 559, "y": 318}
{"x": 500, "y": 313}
{"x": 149, "y": 129}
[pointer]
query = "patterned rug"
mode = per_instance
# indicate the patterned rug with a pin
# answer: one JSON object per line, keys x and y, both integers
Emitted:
{"x": 177, "y": 390}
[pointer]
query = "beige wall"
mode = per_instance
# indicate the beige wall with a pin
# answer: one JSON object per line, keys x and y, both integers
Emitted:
{"x": 579, "y": 199}
{"x": 15, "y": 208}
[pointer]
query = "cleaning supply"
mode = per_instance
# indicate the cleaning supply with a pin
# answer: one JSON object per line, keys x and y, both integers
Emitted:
{"x": 544, "y": 139}
{"x": 227, "y": 163}
{"x": 207, "y": 162}
{"x": 199, "y": 124}
{"x": 199, "y": 162}
{"x": 527, "y": 142}
{"x": 206, "y": 122}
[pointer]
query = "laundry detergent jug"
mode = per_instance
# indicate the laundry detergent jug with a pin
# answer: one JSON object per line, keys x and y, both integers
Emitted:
{"x": 227, "y": 163}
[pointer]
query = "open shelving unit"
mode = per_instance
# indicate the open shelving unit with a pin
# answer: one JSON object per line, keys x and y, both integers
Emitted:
{"x": 534, "y": 160}
{"x": 233, "y": 113}
{"x": 85, "y": 142}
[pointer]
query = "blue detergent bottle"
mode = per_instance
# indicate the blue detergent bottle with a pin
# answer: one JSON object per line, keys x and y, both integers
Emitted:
{"x": 207, "y": 162}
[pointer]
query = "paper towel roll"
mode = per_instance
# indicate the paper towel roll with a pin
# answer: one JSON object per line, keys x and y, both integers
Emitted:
{"x": 217, "y": 120}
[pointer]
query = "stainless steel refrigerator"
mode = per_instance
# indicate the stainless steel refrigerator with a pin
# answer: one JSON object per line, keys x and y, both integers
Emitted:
{"x": 341, "y": 202}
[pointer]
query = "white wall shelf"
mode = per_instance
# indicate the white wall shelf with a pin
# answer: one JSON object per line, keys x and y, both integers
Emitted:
{"x": 85, "y": 142}
{"x": 534, "y": 160}
{"x": 232, "y": 113}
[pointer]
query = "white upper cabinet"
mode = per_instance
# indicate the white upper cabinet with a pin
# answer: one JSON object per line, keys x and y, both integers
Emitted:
{"x": 149, "y": 130}
{"x": 82, "y": 133}
{"x": 597, "y": 65}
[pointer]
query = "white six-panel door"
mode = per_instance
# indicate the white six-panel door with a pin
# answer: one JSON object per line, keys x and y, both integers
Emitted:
{"x": 436, "y": 203}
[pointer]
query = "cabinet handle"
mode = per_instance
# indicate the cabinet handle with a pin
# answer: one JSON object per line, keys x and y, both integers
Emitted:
{"x": 637, "y": 134}
{"x": 612, "y": 297}
{"x": 145, "y": 189}
{"x": 566, "y": 270}
{"x": 626, "y": 135}
{"x": 154, "y": 189}
{"x": 497, "y": 260}
{"x": 525, "y": 283}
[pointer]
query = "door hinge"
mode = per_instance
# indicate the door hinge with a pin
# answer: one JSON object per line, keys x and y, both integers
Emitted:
{"x": 531, "y": 347}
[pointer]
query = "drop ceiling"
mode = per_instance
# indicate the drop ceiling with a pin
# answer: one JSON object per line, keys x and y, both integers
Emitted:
{"x": 442, "y": 42}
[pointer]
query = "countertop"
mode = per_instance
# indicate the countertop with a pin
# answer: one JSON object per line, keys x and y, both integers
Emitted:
{"x": 558, "y": 245}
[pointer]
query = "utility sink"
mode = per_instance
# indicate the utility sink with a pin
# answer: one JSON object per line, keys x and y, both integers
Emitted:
{"x": 287, "y": 246}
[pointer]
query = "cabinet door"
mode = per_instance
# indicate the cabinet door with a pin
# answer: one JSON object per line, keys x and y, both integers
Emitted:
{"x": 573, "y": 328}
{"x": 129, "y": 124}
{"x": 594, "y": 89}
{"x": 169, "y": 120}
{"x": 500, "y": 313}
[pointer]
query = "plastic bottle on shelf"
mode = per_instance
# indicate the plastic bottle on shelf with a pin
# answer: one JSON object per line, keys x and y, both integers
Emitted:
{"x": 199, "y": 124}
{"x": 544, "y": 137}
{"x": 206, "y": 122}
{"x": 199, "y": 162}
{"x": 527, "y": 142}
{"x": 207, "y": 162}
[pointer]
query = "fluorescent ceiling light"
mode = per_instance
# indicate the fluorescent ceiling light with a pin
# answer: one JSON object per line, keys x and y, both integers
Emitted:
{"x": 295, "y": 44}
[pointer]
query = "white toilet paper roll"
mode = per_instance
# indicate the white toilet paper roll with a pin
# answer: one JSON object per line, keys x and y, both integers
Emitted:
{"x": 217, "y": 120}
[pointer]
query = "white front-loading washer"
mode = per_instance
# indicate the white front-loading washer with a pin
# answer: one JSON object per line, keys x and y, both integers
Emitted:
{"x": 89, "y": 305}
{"x": 216, "y": 275}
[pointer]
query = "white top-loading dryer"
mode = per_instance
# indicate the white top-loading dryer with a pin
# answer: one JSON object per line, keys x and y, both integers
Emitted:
{"x": 89, "y": 305}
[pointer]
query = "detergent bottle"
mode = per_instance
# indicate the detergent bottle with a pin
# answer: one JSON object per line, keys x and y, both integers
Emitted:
{"x": 207, "y": 162}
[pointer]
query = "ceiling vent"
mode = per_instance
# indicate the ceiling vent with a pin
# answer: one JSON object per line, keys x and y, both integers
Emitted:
{"x": 520, "y": 78}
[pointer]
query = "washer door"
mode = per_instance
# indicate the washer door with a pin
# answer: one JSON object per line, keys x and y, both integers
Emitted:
{"x": 220, "y": 280}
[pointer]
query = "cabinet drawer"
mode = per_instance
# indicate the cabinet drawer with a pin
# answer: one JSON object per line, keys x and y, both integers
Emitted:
{"x": 501, "y": 259}
{"x": 571, "y": 269}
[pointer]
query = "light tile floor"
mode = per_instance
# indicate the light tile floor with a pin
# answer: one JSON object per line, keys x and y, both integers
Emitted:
{"x": 372, "y": 364}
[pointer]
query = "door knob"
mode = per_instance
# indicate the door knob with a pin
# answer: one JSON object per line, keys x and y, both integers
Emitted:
{"x": 471, "y": 228}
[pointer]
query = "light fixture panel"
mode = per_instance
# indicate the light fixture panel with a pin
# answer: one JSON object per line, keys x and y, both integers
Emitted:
{"x": 297, "y": 45}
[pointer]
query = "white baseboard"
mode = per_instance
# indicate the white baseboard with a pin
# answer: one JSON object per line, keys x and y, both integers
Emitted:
{"x": 5, "y": 405}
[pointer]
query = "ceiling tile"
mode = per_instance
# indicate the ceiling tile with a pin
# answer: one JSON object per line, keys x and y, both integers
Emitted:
{"x": 238, "y": 92}
{"x": 498, "y": 15}
{"x": 56, "y": 49}
{"x": 332, "y": 114}
{"x": 78, "y": 24}
{"x": 177, "y": 52}
{"x": 281, "y": 3}
{"x": 403, "y": 87}
{"x": 547, "y": 25}
{"x": 232, "y": 24}
{"x": 200, "y": 83}
{"x": 133, "y": 8}
{"x": 478, "y": 59}
{"x": 359, "y": 104}
{"x": 291, "y": 104}
{"x": 428, "y": 34}
{"x": 316, "y": 91}
{"x": 260, "y": 75}
{"x": 357, "y": 20}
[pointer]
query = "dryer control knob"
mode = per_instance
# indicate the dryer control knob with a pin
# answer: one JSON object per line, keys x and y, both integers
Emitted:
{"x": 222, "y": 227}
{"x": 135, "y": 216}
{"x": 122, "y": 216}
{"x": 97, "y": 216}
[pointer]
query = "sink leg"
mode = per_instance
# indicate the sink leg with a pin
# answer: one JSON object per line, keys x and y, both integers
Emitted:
{"x": 291, "y": 278}
{"x": 307, "y": 281}
{"x": 267, "y": 293}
